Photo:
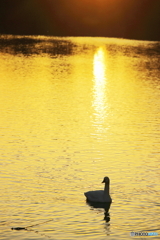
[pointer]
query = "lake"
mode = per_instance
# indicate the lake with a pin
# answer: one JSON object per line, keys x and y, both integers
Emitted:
{"x": 74, "y": 110}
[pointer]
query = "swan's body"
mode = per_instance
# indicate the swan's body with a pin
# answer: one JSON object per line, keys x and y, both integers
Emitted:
{"x": 101, "y": 196}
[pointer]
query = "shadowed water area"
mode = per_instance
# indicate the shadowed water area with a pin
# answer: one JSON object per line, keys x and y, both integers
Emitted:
{"x": 74, "y": 110}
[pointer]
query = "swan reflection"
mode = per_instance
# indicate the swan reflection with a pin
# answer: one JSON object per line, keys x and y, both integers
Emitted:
{"x": 105, "y": 206}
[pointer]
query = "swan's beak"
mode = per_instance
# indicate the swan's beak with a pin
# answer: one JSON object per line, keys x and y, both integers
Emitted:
{"x": 103, "y": 181}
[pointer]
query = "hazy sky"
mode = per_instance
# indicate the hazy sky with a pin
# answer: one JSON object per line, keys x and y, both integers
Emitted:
{"x": 136, "y": 19}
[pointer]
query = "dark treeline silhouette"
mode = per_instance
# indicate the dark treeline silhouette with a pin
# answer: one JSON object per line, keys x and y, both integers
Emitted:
{"x": 28, "y": 45}
{"x": 134, "y": 19}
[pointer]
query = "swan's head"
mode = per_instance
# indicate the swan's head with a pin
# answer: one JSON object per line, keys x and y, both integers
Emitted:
{"x": 106, "y": 180}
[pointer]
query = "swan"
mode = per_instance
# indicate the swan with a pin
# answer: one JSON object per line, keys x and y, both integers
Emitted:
{"x": 100, "y": 196}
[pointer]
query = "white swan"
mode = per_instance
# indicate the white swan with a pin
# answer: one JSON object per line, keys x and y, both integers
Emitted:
{"x": 100, "y": 195}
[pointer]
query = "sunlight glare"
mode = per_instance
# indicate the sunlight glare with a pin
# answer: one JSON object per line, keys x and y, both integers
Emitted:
{"x": 99, "y": 72}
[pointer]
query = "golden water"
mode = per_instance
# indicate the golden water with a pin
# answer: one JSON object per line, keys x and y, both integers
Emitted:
{"x": 74, "y": 110}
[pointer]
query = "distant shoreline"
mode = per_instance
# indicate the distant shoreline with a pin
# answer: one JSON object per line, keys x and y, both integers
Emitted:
{"x": 77, "y": 36}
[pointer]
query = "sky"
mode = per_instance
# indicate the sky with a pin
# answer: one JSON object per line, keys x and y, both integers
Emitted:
{"x": 133, "y": 19}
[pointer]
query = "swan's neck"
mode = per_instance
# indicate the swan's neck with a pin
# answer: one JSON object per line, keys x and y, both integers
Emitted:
{"x": 106, "y": 189}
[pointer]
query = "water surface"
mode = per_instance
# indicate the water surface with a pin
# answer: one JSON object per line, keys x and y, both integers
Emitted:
{"x": 74, "y": 110}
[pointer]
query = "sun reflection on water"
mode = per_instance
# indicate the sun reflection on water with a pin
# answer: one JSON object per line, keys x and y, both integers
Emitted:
{"x": 99, "y": 89}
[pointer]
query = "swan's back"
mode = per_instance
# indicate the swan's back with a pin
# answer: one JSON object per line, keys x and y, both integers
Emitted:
{"x": 95, "y": 196}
